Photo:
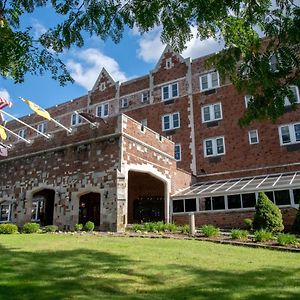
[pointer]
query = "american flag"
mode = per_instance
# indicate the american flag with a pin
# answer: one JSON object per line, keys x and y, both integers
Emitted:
{"x": 4, "y": 103}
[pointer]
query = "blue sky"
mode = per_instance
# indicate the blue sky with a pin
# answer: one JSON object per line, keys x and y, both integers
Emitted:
{"x": 134, "y": 56}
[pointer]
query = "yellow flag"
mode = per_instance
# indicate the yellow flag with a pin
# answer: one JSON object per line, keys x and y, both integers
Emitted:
{"x": 40, "y": 111}
{"x": 3, "y": 134}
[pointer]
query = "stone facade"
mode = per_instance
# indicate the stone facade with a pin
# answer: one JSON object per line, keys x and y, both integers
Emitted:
{"x": 102, "y": 159}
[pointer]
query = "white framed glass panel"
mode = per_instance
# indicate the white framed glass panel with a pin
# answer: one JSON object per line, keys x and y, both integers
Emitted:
{"x": 177, "y": 151}
{"x": 253, "y": 137}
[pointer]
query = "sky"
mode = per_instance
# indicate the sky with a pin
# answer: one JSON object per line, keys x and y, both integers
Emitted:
{"x": 134, "y": 56}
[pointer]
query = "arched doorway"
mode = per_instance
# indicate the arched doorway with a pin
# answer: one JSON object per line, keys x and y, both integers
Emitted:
{"x": 43, "y": 207}
{"x": 146, "y": 198}
{"x": 89, "y": 208}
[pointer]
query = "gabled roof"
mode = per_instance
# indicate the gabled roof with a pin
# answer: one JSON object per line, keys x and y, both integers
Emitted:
{"x": 103, "y": 72}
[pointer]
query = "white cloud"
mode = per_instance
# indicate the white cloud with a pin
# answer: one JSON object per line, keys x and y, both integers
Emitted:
{"x": 151, "y": 47}
{"x": 86, "y": 65}
{"x": 5, "y": 94}
{"x": 38, "y": 28}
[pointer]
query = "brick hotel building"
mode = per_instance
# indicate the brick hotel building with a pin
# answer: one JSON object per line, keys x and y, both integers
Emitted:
{"x": 170, "y": 145}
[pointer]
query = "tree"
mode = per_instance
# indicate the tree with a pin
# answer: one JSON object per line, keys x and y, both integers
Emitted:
{"x": 262, "y": 68}
{"x": 267, "y": 215}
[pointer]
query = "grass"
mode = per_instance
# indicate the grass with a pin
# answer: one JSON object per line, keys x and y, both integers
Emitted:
{"x": 44, "y": 266}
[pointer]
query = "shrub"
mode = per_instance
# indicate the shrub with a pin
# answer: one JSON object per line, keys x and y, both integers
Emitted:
{"x": 210, "y": 230}
{"x": 184, "y": 228}
{"x": 171, "y": 227}
{"x": 248, "y": 223}
{"x": 78, "y": 227}
{"x": 238, "y": 234}
{"x": 137, "y": 227}
{"x": 160, "y": 226}
{"x": 296, "y": 225}
{"x": 31, "y": 228}
{"x": 287, "y": 239}
{"x": 89, "y": 226}
{"x": 50, "y": 228}
{"x": 263, "y": 235}
{"x": 8, "y": 228}
{"x": 267, "y": 216}
{"x": 149, "y": 226}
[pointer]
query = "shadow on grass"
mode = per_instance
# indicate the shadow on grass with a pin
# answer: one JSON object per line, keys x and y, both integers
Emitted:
{"x": 90, "y": 274}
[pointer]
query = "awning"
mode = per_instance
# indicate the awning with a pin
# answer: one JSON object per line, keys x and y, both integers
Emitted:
{"x": 241, "y": 185}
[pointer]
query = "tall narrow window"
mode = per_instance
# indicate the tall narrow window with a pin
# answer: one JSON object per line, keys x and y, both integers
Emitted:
{"x": 253, "y": 137}
{"x": 177, "y": 151}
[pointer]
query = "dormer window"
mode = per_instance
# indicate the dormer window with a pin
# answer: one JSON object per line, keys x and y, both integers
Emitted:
{"x": 102, "y": 86}
{"x": 169, "y": 63}
{"x": 209, "y": 81}
{"x": 124, "y": 103}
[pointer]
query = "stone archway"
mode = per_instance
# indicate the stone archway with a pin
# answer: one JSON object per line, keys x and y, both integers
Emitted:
{"x": 90, "y": 208}
{"x": 42, "y": 208}
{"x": 146, "y": 198}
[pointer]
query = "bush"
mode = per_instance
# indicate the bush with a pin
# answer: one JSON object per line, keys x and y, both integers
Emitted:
{"x": 296, "y": 225}
{"x": 171, "y": 227}
{"x": 78, "y": 227}
{"x": 287, "y": 239}
{"x": 210, "y": 230}
{"x": 238, "y": 234}
{"x": 31, "y": 228}
{"x": 267, "y": 216}
{"x": 184, "y": 229}
{"x": 50, "y": 228}
{"x": 8, "y": 228}
{"x": 89, "y": 226}
{"x": 149, "y": 227}
{"x": 263, "y": 236}
{"x": 248, "y": 223}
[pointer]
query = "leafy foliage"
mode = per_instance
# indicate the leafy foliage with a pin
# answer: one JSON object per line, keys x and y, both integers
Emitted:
{"x": 287, "y": 239}
{"x": 263, "y": 235}
{"x": 238, "y": 234}
{"x": 267, "y": 215}
{"x": 296, "y": 225}
{"x": 89, "y": 226}
{"x": 210, "y": 230}
{"x": 31, "y": 228}
{"x": 78, "y": 227}
{"x": 248, "y": 223}
{"x": 50, "y": 228}
{"x": 8, "y": 228}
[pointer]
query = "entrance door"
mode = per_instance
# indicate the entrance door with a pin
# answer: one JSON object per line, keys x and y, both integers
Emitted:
{"x": 89, "y": 208}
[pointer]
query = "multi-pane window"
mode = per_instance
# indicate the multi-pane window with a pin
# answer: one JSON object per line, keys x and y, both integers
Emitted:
{"x": 37, "y": 209}
{"x": 42, "y": 127}
{"x": 212, "y": 112}
{"x": 145, "y": 97}
{"x": 279, "y": 197}
{"x": 170, "y": 91}
{"x": 23, "y": 133}
{"x": 124, "y": 103}
{"x": 295, "y": 91}
{"x": 253, "y": 137}
{"x": 177, "y": 152}
{"x": 209, "y": 81}
{"x": 170, "y": 121}
{"x": 214, "y": 146}
{"x": 289, "y": 134}
{"x": 186, "y": 205}
{"x": 102, "y": 110}
{"x": 75, "y": 119}
{"x": 5, "y": 212}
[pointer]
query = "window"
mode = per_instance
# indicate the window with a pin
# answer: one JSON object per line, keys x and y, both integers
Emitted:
{"x": 295, "y": 91}
{"x": 171, "y": 121}
{"x": 102, "y": 110}
{"x": 75, "y": 119}
{"x": 186, "y": 205}
{"x": 214, "y": 147}
{"x": 289, "y": 134}
{"x": 169, "y": 63}
{"x": 209, "y": 81}
{"x": 124, "y": 102}
{"x": 190, "y": 205}
{"x": 234, "y": 201}
{"x": 296, "y": 196}
{"x": 178, "y": 206}
{"x": 177, "y": 152}
{"x": 248, "y": 98}
{"x": 282, "y": 197}
{"x": 37, "y": 209}
{"x": 145, "y": 97}
{"x": 144, "y": 122}
{"x": 42, "y": 127}
{"x": 218, "y": 203}
{"x": 170, "y": 91}
{"x": 23, "y": 133}
{"x": 253, "y": 137}
{"x": 211, "y": 112}
{"x": 102, "y": 86}
{"x": 5, "y": 212}
{"x": 248, "y": 200}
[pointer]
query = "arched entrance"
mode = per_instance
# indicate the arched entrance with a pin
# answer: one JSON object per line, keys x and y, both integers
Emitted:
{"x": 89, "y": 208}
{"x": 43, "y": 207}
{"x": 146, "y": 198}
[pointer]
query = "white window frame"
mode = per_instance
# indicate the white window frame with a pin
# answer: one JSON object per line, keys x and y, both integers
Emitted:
{"x": 209, "y": 81}
{"x": 247, "y": 99}
{"x": 214, "y": 146}
{"x": 287, "y": 101}
{"x": 102, "y": 86}
{"x": 171, "y": 121}
{"x": 212, "y": 112}
{"x": 124, "y": 102}
{"x": 179, "y": 146}
{"x": 170, "y": 91}
{"x": 78, "y": 120}
{"x": 256, "y": 134}
{"x": 22, "y": 133}
{"x": 9, "y": 212}
{"x": 147, "y": 93}
{"x": 292, "y": 134}
{"x": 102, "y": 113}
{"x": 42, "y": 127}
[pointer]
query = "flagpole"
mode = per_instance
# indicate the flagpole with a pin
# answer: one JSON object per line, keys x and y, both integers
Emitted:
{"x": 92, "y": 123}
{"x": 61, "y": 125}
{"x": 6, "y": 113}
{"x": 16, "y": 135}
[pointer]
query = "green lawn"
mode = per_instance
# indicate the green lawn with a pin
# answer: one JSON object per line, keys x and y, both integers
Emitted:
{"x": 89, "y": 267}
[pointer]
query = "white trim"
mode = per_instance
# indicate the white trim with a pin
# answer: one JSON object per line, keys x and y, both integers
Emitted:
{"x": 211, "y": 108}
{"x": 214, "y": 146}
{"x": 78, "y": 119}
{"x": 292, "y": 134}
{"x": 124, "y": 102}
{"x": 171, "y": 121}
{"x": 177, "y": 145}
{"x": 256, "y": 136}
{"x": 102, "y": 105}
{"x": 209, "y": 81}
{"x": 5, "y": 203}
{"x": 170, "y": 91}
{"x": 247, "y": 99}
